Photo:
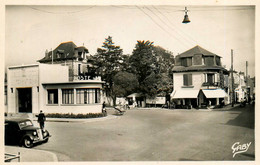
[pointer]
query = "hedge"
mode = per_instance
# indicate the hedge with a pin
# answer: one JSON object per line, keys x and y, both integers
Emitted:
{"x": 71, "y": 115}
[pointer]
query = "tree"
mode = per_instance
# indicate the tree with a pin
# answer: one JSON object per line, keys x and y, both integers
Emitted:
{"x": 153, "y": 67}
{"x": 125, "y": 83}
{"x": 142, "y": 60}
{"x": 109, "y": 61}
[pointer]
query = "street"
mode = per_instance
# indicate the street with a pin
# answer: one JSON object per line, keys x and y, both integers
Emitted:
{"x": 155, "y": 135}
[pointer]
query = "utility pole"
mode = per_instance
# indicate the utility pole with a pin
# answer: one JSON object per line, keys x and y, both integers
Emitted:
{"x": 247, "y": 88}
{"x": 232, "y": 80}
{"x": 51, "y": 56}
{"x": 246, "y": 74}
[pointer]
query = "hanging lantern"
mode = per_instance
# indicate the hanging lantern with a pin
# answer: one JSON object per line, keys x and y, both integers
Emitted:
{"x": 186, "y": 17}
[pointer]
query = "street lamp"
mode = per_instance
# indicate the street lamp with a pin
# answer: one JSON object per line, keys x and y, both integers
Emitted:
{"x": 186, "y": 18}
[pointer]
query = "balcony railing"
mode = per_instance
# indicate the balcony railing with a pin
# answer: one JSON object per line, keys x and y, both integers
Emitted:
{"x": 215, "y": 84}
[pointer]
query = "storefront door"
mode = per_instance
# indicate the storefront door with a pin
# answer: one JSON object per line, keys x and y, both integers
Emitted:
{"x": 24, "y": 100}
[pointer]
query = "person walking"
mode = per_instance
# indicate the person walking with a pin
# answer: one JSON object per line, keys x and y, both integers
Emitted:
{"x": 41, "y": 119}
{"x": 104, "y": 108}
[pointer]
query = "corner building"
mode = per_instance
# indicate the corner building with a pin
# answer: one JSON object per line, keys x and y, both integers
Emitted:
{"x": 60, "y": 83}
{"x": 199, "y": 80}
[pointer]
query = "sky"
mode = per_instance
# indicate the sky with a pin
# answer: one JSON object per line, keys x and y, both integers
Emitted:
{"x": 30, "y": 30}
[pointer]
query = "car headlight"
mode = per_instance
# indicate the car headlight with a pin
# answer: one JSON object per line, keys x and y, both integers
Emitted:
{"x": 34, "y": 133}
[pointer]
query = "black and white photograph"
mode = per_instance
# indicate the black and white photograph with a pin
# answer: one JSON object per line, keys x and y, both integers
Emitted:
{"x": 129, "y": 82}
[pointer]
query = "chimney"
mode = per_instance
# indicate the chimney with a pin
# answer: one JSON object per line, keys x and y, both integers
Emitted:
{"x": 46, "y": 53}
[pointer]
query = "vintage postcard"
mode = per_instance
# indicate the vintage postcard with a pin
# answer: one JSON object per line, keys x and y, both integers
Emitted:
{"x": 129, "y": 82}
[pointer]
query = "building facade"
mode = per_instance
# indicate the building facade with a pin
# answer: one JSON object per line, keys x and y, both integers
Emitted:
{"x": 240, "y": 86}
{"x": 199, "y": 80}
{"x": 60, "y": 83}
{"x": 76, "y": 58}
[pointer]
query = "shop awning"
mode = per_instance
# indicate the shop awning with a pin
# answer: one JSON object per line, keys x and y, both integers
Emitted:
{"x": 214, "y": 93}
{"x": 185, "y": 94}
{"x": 134, "y": 95}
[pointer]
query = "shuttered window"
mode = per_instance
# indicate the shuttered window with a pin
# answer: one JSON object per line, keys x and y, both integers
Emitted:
{"x": 187, "y": 79}
{"x": 186, "y": 61}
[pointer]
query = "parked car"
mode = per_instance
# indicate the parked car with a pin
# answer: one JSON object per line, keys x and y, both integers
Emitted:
{"x": 24, "y": 133}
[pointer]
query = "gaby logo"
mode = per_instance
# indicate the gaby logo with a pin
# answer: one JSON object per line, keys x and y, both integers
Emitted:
{"x": 239, "y": 148}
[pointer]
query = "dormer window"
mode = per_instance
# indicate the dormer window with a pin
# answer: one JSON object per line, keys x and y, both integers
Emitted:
{"x": 197, "y": 59}
{"x": 218, "y": 62}
{"x": 209, "y": 60}
{"x": 80, "y": 54}
{"x": 186, "y": 61}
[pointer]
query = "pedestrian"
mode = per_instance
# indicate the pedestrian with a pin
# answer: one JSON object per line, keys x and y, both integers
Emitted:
{"x": 209, "y": 106}
{"x": 41, "y": 119}
{"x": 104, "y": 108}
{"x": 222, "y": 103}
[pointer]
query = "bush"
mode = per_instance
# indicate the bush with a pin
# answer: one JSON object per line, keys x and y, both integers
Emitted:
{"x": 76, "y": 116}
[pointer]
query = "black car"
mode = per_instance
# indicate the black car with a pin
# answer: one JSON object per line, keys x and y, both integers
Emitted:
{"x": 22, "y": 132}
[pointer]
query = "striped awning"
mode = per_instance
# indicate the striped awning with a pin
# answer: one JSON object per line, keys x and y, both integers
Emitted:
{"x": 185, "y": 94}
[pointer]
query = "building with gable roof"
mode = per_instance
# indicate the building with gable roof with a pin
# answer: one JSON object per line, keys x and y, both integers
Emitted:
{"x": 199, "y": 79}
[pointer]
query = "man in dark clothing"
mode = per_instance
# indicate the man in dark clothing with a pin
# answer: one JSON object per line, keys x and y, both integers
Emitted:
{"x": 41, "y": 119}
{"x": 104, "y": 108}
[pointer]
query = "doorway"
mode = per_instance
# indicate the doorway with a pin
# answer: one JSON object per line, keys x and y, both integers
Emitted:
{"x": 24, "y": 100}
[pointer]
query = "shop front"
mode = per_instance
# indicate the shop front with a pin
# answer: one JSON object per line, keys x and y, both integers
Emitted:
{"x": 185, "y": 98}
{"x": 46, "y": 87}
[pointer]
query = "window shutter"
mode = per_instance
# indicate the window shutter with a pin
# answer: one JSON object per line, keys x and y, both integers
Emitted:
{"x": 185, "y": 79}
{"x": 216, "y": 77}
{"x": 189, "y": 79}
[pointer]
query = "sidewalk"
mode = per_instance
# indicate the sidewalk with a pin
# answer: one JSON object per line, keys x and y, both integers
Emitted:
{"x": 31, "y": 155}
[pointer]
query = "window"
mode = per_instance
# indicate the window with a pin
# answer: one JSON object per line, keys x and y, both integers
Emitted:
{"x": 80, "y": 54}
{"x": 197, "y": 59}
{"x": 186, "y": 61}
{"x": 79, "y": 69}
{"x": 5, "y": 99}
{"x": 210, "y": 78}
{"x": 187, "y": 79}
{"x": 209, "y": 61}
{"x": 67, "y": 96}
{"x": 52, "y": 96}
{"x": 25, "y": 124}
{"x": 218, "y": 62}
{"x": 88, "y": 96}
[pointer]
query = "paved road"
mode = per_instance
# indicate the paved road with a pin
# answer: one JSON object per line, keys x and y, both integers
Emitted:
{"x": 155, "y": 135}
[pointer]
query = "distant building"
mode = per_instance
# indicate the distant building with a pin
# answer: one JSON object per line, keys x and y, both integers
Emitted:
{"x": 239, "y": 86}
{"x": 199, "y": 80}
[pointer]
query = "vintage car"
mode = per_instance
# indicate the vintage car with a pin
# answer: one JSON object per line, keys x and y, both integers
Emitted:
{"x": 22, "y": 132}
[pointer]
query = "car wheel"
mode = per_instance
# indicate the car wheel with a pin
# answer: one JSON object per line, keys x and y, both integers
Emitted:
{"x": 46, "y": 140}
{"x": 27, "y": 142}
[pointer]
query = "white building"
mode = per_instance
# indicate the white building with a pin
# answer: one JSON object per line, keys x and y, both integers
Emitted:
{"x": 46, "y": 87}
{"x": 199, "y": 79}
{"x": 240, "y": 90}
